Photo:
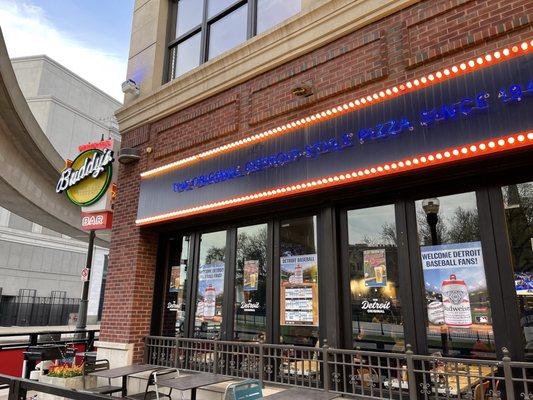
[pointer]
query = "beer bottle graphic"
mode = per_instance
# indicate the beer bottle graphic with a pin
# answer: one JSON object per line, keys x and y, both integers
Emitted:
{"x": 209, "y": 302}
{"x": 298, "y": 274}
{"x": 456, "y": 302}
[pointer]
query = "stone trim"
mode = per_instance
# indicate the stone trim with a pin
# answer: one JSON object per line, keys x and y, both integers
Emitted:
{"x": 299, "y": 35}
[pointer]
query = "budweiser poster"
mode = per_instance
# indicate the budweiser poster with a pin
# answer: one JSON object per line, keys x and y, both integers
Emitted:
{"x": 456, "y": 288}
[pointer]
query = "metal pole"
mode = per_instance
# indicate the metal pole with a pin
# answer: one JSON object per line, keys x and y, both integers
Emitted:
{"x": 82, "y": 310}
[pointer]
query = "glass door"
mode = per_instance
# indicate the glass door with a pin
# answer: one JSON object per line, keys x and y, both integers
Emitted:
{"x": 372, "y": 259}
{"x": 298, "y": 290}
{"x": 208, "y": 315}
{"x": 518, "y": 206}
{"x": 250, "y": 308}
{"x": 457, "y": 302}
{"x": 179, "y": 261}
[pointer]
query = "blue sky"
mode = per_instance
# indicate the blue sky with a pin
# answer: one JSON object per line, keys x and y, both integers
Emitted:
{"x": 90, "y": 37}
{"x": 103, "y": 24}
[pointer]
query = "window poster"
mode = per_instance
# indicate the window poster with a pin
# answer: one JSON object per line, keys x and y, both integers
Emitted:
{"x": 455, "y": 284}
{"x": 523, "y": 282}
{"x": 175, "y": 280}
{"x": 299, "y": 290}
{"x": 375, "y": 268}
{"x": 251, "y": 275}
{"x": 210, "y": 291}
{"x": 178, "y": 273}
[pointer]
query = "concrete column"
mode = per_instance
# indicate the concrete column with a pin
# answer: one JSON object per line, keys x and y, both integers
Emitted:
{"x": 4, "y": 217}
{"x": 148, "y": 46}
{"x": 95, "y": 287}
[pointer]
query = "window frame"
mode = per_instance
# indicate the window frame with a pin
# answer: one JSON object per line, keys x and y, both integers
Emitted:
{"x": 203, "y": 29}
{"x": 405, "y": 290}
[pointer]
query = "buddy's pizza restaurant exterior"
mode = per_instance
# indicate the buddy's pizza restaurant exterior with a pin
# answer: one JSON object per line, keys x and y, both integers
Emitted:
{"x": 392, "y": 204}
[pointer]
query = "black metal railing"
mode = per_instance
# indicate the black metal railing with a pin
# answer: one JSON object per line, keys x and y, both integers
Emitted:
{"x": 365, "y": 374}
{"x": 28, "y": 309}
{"x": 21, "y": 341}
{"x": 18, "y": 389}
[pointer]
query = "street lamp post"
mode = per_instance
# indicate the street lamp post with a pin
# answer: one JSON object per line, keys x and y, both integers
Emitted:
{"x": 431, "y": 208}
{"x": 82, "y": 310}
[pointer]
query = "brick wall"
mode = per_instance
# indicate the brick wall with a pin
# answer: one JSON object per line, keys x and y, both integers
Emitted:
{"x": 415, "y": 41}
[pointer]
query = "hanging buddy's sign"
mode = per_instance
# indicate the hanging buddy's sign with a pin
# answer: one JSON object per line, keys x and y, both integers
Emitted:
{"x": 87, "y": 179}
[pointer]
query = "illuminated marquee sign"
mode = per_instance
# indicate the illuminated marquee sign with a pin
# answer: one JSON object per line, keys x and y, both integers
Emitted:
{"x": 88, "y": 178}
{"x": 96, "y": 221}
{"x": 435, "y": 123}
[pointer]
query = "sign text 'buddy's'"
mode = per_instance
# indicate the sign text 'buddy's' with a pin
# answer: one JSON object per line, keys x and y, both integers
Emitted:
{"x": 92, "y": 166}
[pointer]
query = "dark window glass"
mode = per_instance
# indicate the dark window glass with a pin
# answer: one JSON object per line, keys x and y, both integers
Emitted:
{"x": 176, "y": 297}
{"x": 377, "y": 321}
{"x": 189, "y": 15}
{"x": 457, "y": 298}
{"x": 250, "y": 283}
{"x": 228, "y": 32}
{"x": 19, "y": 223}
{"x": 215, "y": 6}
{"x": 518, "y": 203}
{"x": 210, "y": 289}
{"x": 299, "y": 282}
{"x": 188, "y": 55}
{"x": 273, "y": 12}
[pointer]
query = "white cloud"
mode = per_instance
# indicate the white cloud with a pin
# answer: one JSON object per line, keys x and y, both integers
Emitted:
{"x": 27, "y": 31}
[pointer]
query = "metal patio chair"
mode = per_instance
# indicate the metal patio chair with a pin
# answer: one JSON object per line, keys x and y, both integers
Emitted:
{"x": 99, "y": 365}
{"x": 246, "y": 390}
{"x": 155, "y": 394}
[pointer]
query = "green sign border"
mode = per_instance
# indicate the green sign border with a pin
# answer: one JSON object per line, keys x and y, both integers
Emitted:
{"x": 109, "y": 170}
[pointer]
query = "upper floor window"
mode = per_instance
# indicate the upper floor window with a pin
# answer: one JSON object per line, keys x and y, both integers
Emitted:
{"x": 202, "y": 30}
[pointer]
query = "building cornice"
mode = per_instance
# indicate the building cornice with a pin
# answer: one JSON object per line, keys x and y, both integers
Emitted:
{"x": 59, "y": 102}
{"x": 298, "y": 36}
{"x": 40, "y": 240}
{"x": 65, "y": 70}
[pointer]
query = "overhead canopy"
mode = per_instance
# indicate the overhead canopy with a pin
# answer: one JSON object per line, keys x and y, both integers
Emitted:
{"x": 30, "y": 165}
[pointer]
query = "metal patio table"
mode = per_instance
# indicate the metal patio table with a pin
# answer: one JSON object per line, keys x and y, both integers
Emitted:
{"x": 302, "y": 394}
{"x": 193, "y": 382}
{"x": 124, "y": 372}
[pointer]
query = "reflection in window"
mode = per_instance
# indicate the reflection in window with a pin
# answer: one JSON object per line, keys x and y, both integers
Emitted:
{"x": 299, "y": 282}
{"x": 250, "y": 283}
{"x": 377, "y": 321}
{"x": 188, "y": 55}
{"x": 518, "y": 203}
{"x": 189, "y": 16}
{"x": 228, "y": 32}
{"x": 176, "y": 298}
{"x": 457, "y": 299}
{"x": 210, "y": 289}
{"x": 272, "y": 12}
{"x": 215, "y": 6}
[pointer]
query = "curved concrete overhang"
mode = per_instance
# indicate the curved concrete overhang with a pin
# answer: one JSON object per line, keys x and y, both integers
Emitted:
{"x": 30, "y": 165}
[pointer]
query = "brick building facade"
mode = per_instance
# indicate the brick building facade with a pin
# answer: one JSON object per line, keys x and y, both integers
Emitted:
{"x": 389, "y": 45}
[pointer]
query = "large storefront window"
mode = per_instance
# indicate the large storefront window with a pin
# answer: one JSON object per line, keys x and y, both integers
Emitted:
{"x": 518, "y": 203}
{"x": 176, "y": 299}
{"x": 299, "y": 282}
{"x": 457, "y": 299}
{"x": 210, "y": 289}
{"x": 250, "y": 283}
{"x": 377, "y": 321}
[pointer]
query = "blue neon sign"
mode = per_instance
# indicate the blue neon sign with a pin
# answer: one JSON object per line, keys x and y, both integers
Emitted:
{"x": 463, "y": 108}
{"x": 282, "y": 158}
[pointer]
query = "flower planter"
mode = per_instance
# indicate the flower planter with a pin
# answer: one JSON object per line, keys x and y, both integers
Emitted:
{"x": 75, "y": 382}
